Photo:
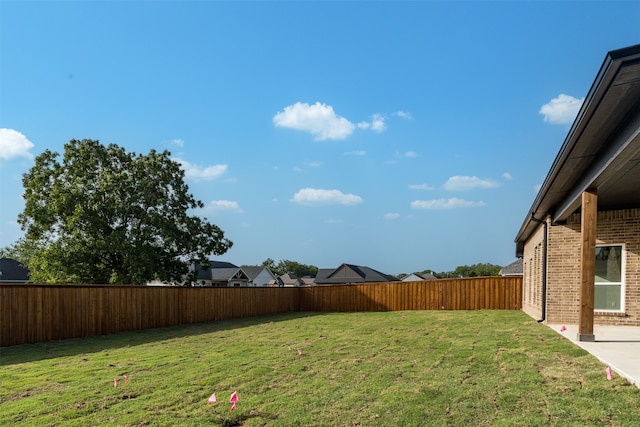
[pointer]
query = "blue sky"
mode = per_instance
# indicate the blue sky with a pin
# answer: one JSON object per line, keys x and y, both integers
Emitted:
{"x": 398, "y": 135}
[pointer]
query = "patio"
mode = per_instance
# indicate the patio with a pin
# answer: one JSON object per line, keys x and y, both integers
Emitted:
{"x": 615, "y": 346}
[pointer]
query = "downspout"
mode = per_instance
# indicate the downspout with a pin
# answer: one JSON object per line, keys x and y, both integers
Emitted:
{"x": 544, "y": 267}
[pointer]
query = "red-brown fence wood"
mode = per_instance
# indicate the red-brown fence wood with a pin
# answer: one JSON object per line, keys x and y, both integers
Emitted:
{"x": 36, "y": 313}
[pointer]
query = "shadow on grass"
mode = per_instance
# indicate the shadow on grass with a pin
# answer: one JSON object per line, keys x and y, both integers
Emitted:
{"x": 71, "y": 347}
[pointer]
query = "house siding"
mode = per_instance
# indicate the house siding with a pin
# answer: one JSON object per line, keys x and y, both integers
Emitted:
{"x": 563, "y": 268}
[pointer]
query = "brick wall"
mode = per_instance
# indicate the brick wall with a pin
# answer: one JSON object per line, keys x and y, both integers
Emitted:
{"x": 563, "y": 268}
{"x": 532, "y": 274}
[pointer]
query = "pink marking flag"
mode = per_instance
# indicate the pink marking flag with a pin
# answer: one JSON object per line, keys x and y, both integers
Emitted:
{"x": 299, "y": 352}
{"x": 404, "y": 317}
{"x": 126, "y": 379}
{"x": 115, "y": 382}
{"x": 212, "y": 399}
{"x": 608, "y": 371}
{"x": 564, "y": 328}
{"x": 233, "y": 399}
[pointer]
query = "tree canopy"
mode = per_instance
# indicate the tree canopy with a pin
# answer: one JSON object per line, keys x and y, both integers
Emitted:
{"x": 287, "y": 266}
{"x": 105, "y": 215}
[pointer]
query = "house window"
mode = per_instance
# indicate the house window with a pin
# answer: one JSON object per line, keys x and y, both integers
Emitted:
{"x": 609, "y": 292}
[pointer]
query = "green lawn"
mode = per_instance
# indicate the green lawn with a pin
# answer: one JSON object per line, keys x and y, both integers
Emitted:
{"x": 355, "y": 369}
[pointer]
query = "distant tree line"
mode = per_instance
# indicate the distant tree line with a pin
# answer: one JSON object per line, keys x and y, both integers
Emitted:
{"x": 475, "y": 270}
{"x": 301, "y": 270}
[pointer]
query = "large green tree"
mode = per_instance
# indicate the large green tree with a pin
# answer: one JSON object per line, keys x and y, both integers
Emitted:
{"x": 105, "y": 215}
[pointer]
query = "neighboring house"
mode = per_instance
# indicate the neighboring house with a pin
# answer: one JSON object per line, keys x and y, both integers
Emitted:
{"x": 580, "y": 242}
{"x": 259, "y": 276}
{"x": 290, "y": 279}
{"x": 349, "y": 273}
{"x": 229, "y": 277}
{"x": 308, "y": 280}
{"x": 413, "y": 277}
{"x": 220, "y": 273}
{"x": 12, "y": 272}
{"x": 513, "y": 269}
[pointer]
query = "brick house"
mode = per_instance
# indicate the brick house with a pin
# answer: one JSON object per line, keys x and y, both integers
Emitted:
{"x": 580, "y": 242}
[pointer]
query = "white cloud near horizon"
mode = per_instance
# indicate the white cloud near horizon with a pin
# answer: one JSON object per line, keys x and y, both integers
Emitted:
{"x": 355, "y": 153}
{"x": 507, "y": 176}
{"x": 561, "y": 110}
{"x": 463, "y": 183}
{"x": 14, "y": 144}
{"x": 217, "y": 206}
{"x": 439, "y": 204}
{"x": 320, "y": 197}
{"x": 318, "y": 119}
{"x": 424, "y": 186}
{"x": 398, "y": 155}
{"x": 197, "y": 173}
{"x": 391, "y": 216}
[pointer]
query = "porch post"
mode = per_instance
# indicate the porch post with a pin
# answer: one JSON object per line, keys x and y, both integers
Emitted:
{"x": 587, "y": 264}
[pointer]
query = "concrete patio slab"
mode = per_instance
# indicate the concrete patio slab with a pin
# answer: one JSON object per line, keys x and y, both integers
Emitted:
{"x": 616, "y": 346}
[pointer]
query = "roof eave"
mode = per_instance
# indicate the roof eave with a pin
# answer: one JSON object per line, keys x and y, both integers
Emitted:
{"x": 598, "y": 90}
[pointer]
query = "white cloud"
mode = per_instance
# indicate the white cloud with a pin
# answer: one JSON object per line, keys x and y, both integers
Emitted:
{"x": 507, "y": 176}
{"x": 561, "y": 110}
{"x": 313, "y": 164}
{"x": 355, "y": 153}
{"x": 399, "y": 155}
{"x": 391, "y": 216}
{"x": 334, "y": 221}
{"x": 537, "y": 188}
{"x": 458, "y": 183}
{"x": 177, "y": 142}
{"x": 317, "y": 197}
{"x": 403, "y": 114}
{"x": 377, "y": 124}
{"x": 197, "y": 173}
{"x": 420, "y": 187}
{"x": 216, "y": 206}
{"x": 14, "y": 144}
{"x": 318, "y": 119}
{"x": 452, "y": 203}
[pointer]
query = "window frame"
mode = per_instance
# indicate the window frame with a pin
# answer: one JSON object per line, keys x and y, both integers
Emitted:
{"x": 622, "y": 283}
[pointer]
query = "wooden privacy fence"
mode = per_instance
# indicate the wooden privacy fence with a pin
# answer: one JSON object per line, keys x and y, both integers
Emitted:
{"x": 36, "y": 313}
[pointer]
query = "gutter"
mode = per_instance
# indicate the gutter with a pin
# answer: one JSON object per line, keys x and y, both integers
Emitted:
{"x": 544, "y": 267}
